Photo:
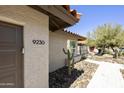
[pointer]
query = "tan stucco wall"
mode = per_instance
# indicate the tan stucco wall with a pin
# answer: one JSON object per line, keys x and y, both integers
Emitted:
{"x": 58, "y": 41}
{"x": 36, "y": 58}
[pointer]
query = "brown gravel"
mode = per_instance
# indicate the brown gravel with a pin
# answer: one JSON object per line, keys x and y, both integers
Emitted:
{"x": 84, "y": 79}
{"x": 122, "y": 71}
{"x": 81, "y": 76}
{"x": 110, "y": 59}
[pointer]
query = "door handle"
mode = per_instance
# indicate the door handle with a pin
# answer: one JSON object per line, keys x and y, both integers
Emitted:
{"x": 23, "y": 51}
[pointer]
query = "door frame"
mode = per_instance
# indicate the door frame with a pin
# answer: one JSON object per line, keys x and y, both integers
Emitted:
{"x": 22, "y": 55}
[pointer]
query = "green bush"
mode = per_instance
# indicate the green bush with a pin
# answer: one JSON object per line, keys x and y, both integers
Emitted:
{"x": 122, "y": 53}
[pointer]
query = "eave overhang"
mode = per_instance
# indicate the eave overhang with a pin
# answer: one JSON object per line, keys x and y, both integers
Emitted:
{"x": 59, "y": 17}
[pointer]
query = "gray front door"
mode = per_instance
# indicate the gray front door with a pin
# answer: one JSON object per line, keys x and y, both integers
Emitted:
{"x": 11, "y": 61}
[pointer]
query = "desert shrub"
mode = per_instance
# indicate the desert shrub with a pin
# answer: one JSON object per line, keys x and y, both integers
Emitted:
{"x": 122, "y": 53}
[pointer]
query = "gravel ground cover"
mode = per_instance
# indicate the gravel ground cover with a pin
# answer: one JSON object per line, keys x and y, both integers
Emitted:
{"x": 84, "y": 79}
{"x": 122, "y": 71}
{"x": 110, "y": 59}
{"x": 81, "y": 76}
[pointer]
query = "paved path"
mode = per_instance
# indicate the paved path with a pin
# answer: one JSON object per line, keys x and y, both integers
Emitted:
{"x": 107, "y": 76}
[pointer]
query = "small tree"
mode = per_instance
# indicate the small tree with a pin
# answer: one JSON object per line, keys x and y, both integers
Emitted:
{"x": 91, "y": 40}
{"x": 108, "y": 35}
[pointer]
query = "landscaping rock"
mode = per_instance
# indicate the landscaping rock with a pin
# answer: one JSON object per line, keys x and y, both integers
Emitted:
{"x": 80, "y": 77}
{"x": 84, "y": 79}
{"x": 109, "y": 58}
{"x": 122, "y": 72}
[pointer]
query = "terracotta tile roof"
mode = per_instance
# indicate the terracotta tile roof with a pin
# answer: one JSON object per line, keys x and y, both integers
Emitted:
{"x": 77, "y": 16}
{"x": 75, "y": 34}
{"x": 72, "y": 12}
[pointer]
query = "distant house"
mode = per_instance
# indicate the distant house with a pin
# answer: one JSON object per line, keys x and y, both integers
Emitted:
{"x": 31, "y": 42}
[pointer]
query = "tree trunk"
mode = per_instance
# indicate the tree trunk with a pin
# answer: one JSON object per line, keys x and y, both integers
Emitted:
{"x": 115, "y": 55}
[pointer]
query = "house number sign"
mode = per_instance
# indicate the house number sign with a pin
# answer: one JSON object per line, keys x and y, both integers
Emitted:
{"x": 38, "y": 42}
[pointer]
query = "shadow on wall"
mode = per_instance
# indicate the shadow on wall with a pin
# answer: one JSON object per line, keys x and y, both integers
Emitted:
{"x": 61, "y": 79}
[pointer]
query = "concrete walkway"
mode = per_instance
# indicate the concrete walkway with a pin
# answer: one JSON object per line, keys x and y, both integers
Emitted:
{"x": 107, "y": 75}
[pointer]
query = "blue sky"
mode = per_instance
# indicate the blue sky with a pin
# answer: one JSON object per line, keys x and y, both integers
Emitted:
{"x": 94, "y": 15}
